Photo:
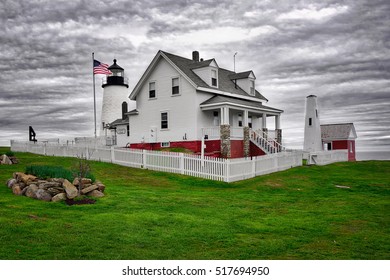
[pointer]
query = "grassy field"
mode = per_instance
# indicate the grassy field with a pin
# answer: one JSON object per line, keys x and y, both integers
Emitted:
{"x": 295, "y": 214}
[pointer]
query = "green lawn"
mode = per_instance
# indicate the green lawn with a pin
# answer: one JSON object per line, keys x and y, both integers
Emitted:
{"x": 295, "y": 214}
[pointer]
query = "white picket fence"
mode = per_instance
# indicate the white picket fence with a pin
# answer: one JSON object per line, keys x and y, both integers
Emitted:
{"x": 228, "y": 170}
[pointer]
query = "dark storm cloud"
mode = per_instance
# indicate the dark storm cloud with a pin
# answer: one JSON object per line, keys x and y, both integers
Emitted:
{"x": 338, "y": 50}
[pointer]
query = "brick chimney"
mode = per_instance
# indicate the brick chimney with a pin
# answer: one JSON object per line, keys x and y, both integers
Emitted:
{"x": 195, "y": 56}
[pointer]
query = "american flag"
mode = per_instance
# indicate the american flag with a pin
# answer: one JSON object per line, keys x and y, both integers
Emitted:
{"x": 100, "y": 68}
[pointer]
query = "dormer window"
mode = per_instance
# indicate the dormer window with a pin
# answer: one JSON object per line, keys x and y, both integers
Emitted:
{"x": 214, "y": 78}
{"x": 252, "y": 87}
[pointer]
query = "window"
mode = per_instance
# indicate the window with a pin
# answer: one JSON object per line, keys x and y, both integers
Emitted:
{"x": 216, "y": 118}
{"x": 252, "y": 89}
{"x": 316, "y": 113}
{"x": 250, "y": 122}
{"x": 152, "y": 90}
{"x": 239, "y": 120}
{"x": 310, "y": 121}
{"x": 164, "y": 120}
{"x": 175, "y": 86}
{"x": 165, "y": 144}
{"x": 128, "y": 130}
{"x": 214, "y": 78}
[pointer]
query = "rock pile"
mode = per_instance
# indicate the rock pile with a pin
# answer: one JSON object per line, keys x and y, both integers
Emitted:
{"x": 4, "y": 159}
{"x": 53, "y": 189}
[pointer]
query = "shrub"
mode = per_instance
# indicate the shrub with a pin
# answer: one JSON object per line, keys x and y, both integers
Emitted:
{"x": 10, "y": 154}
{"x": 45, "y": 171}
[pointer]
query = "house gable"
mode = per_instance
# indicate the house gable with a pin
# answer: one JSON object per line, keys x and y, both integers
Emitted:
{"x": 190, "y": 70}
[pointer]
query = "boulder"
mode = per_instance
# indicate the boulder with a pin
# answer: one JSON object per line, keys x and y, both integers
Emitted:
{"x": 4, "y": 159}
{"x": 89, "y": 189}
{"x": 11, "y": 182}
{"x": 43, "y": 195}
{"x": 31, "y": 191}
{"x": 86, "y": 186}
{"x": 76, "y": 182}
{"x": 59, "y": 197}
{"x": 86, "y": 181}
{"x": 70, "y": 189}
{"x": 55, "y": 191}
{"x": 56, "y": 180}
{"x": 101, "y": 186}
{"x": 22, "y": 185}
{"x": 47, "y": 185}
{"x": 25, "y": 178}
{"x": 17, "y": 190}
{"x": 95, "y": 193}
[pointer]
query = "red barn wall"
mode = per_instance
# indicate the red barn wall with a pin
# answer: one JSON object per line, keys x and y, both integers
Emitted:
{"x": 345, "y": 145}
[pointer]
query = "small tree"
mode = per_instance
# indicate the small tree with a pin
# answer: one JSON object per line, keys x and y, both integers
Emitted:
{"x": 82, "y": 169}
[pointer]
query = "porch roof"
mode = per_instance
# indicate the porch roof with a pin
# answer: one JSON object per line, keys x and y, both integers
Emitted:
{"x": 220, "y": 101}
{"x": 118, "y": 122}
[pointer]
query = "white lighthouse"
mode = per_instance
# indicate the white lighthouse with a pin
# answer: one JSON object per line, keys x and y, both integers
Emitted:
{"x": 114, "y": 93}
{"x": 312, "y": 141}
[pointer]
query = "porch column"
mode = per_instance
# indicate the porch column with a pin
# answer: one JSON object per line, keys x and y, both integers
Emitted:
{"x": 278, "y": 131}
{"x": 227, "y": 121}
{"x": 246, "y": 117}
{"x": 265, "y": 129}
{"x": 277, "y": 122}
{"x": 224, "y": 115}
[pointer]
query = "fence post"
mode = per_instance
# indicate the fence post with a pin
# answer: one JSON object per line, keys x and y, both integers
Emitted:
{"x": 254, "y": 166}
{"x": 143, "y": 159}
{"x": 181, "y": 163}
{"x": 44, "y": 149}
{"x": 227, "y": 166}
{"x": 112, "y": 154}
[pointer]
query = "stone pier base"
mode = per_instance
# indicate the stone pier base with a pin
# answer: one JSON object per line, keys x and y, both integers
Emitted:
{"x": 225, "y": 141}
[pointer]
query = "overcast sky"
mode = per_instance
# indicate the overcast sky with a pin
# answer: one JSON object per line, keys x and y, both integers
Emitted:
{"x": 337, "y": 50}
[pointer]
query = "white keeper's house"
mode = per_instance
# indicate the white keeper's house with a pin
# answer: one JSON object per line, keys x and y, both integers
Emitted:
{"x": 180, "y": 101}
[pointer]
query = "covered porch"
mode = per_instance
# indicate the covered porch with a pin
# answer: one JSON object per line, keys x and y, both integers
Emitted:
{"x": 236, "y": 119}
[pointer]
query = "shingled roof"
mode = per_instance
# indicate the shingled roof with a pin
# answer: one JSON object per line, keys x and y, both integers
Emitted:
{"x": 340, "y": 131}
{"x": 219, "y": 99}
{"x": 225, "y": 82}
{"x": 226, "y": 85}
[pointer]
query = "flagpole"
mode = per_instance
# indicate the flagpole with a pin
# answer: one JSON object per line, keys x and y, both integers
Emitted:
{"x": 94, "y": 94}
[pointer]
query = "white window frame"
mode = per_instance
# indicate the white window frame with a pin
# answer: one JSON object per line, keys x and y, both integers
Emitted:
{"x": 155, "y": 91}
{"x": 161, "y": 120}
{"x": 252, "y": 90}
{"x": 165, "y": 144}
{"x": 216, "y": 77}
{"x": 178, "y": 80}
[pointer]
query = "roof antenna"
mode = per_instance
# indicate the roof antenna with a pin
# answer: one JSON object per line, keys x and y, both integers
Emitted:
{"x": 234, "y": 62}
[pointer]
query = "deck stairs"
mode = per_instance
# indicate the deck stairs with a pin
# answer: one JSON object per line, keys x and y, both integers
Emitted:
{"x": 264, "y": 142}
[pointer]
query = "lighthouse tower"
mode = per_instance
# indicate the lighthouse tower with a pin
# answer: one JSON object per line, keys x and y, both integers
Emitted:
{"x": 114, "y": 92}
{"x": 312, "y": 141}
